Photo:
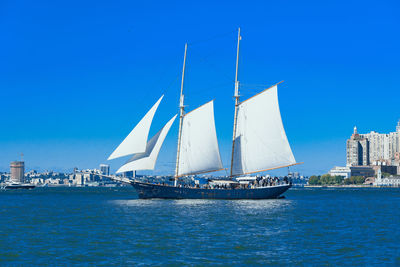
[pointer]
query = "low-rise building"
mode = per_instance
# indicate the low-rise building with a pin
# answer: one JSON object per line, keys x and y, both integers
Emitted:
{"x": 37, "y": 181}
{"x": 345, "y": 172}
{"x": 387, "y": 181}
{"x": 364, "y": 171}
{"x": 386, "y": 169}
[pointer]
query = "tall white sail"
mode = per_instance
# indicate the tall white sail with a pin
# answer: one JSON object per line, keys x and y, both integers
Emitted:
{"x": 147, "y": 160}
{"x": 136, "y": 141}
{"x": 199, "y": 150}
{"x": 260, "y": 139}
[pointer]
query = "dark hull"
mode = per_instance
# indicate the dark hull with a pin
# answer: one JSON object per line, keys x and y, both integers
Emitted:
{"x": 19, "y": 187}
{"x": 146, "y": 190}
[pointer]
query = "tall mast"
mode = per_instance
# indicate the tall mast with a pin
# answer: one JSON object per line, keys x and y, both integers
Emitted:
{"x": 181, "y": 114}
{"x": 236, "y": 96}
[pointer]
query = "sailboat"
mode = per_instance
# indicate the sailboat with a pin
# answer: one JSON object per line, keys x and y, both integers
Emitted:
{"x": 259, "y": 144}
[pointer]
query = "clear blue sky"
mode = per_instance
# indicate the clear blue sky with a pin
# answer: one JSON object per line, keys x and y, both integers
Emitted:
{"x": 75, "y": 76}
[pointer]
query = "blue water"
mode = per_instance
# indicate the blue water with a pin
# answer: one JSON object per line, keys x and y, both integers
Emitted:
{"x": 103, "y": 226}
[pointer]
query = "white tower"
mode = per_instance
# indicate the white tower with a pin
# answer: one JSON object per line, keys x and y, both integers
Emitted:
{"x": 378, "y": 180}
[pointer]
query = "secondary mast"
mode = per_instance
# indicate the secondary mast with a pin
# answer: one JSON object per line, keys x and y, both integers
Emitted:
{"x": 181, "y": 115}
{"x": 236, "y": 96}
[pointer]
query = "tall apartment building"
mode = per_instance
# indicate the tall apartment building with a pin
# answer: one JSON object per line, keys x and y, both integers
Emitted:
{"x": 373, "y": 147}
{"x": 17, "y": 170}
{"x": 357, "y": 148}
{"x": 105, "y": 169}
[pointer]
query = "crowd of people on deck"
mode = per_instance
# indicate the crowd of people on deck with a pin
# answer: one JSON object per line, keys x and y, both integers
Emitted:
{"x": 257, "y": 183}
{"x": 260, "y": 181}
{"x": 270, "y": 181}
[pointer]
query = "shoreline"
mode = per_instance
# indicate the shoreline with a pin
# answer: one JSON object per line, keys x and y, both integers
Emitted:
{"x": 349, "y": 186}
{"x": 294, "y": 186}
{"x": 75, "y": 186}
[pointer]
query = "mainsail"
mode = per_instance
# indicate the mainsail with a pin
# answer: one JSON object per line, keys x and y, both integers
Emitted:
{"x": 136, "y": 141}
{"x": 260, "y": 139}
{"x": 199, "y": 152}
{"x": 147, "y": 160}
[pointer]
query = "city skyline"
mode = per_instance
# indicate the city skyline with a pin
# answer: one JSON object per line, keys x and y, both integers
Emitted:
{"x": 68, "y": 100}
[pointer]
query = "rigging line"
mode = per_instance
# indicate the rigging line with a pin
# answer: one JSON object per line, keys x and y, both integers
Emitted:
{"x": 211, "y": 38}
{"x": 163, "y": 74}
{"x": 154, "y": 84}
{"x": 173, "y": 81}
{"x": 226, "y": 172}
{"x": 161, "y": 77}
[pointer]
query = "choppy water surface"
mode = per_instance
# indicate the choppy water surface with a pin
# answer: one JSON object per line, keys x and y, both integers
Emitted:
{"x": 103, "y": 226}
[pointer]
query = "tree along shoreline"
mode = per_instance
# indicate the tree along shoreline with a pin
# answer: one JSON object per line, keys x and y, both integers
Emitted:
{"x": 329, "y": 180}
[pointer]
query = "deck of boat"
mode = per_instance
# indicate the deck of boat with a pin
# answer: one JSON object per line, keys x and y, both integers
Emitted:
{"x": 148, "y": 190}
{"x": 19, "y": 186}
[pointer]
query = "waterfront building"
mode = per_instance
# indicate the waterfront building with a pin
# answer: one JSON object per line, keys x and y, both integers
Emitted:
{"x": 364, "y": 171}
{"x": 294, "y": 175}
{"x": 385, "y": 167}
{"x": 79, "y": 179}
{"x": 396, "y": 161}
{"x": 347, "y": 172}
{"x": 17, "y": 170}
{"x": 4, "y": 177}
{"x": 37, "y": 181}
{"x": 373, "y": 148}
{"x": 383, "y": 146}
{"x": 129, "y": 174}
{"x": 357, "y": 149}
{"x": 105, "y": 169}
{"x": 387, "y": 181}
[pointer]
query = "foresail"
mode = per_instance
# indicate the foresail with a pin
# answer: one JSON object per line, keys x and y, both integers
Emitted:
{"x": 260, "y": 140}
{"x": 136, "y": 141}
{"x": 147, "y": 160}
{"x": 199, "y": 151}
